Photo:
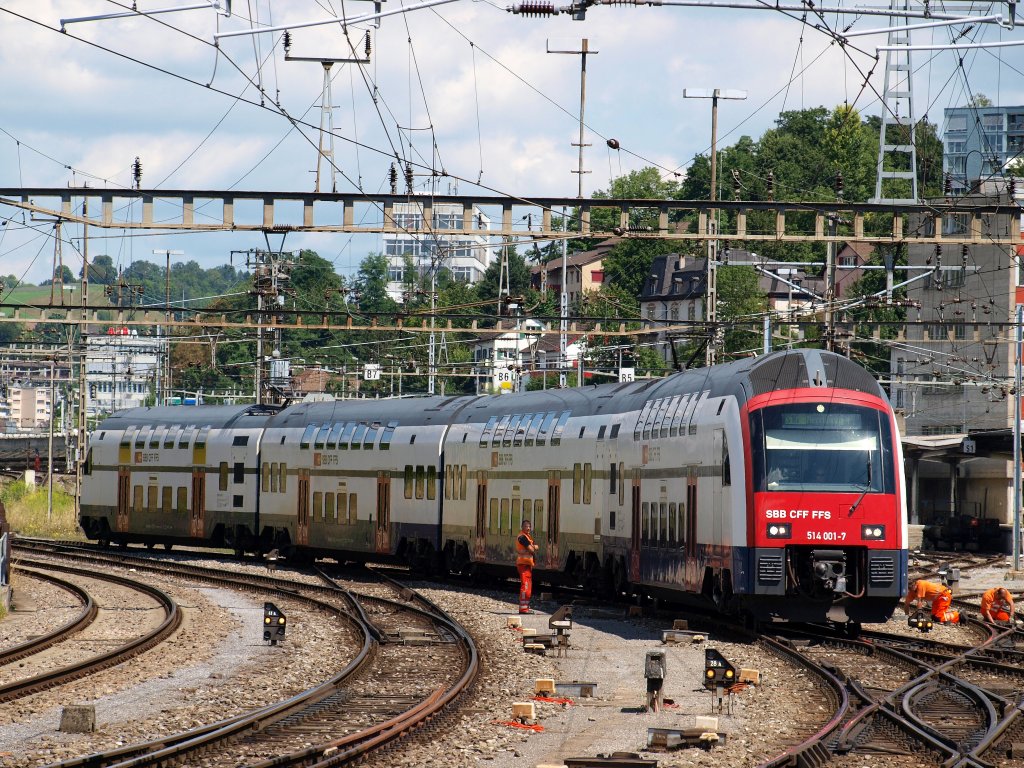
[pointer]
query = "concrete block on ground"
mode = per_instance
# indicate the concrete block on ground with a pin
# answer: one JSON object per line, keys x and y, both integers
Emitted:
{"x": 576, "y": 689}
{"x": 524, "y": 710}
{"x": 752, "y": 676}
{"x": 539, "y": 648}
{"x": 544, "y": 686}
{"x": 706, "y": 723}
{"x": 513, "y": 621}
{"x": 529, "y": 632}
{"x": 78, "y": 718}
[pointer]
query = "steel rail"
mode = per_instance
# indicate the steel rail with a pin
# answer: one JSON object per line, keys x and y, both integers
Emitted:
{"x": 84, "y": 618}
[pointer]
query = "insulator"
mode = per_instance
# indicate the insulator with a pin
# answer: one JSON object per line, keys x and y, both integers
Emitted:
{"x": 367, "y": 45}
{"x": 393, "y": 178}
{"x": 1011, "y": 187}
{"x": 287, "y": 42}
{"x": 963, "y": 255}
{"x": 839, "y": 184}
{"x": 534, "y": 8}
{"x": 736, "y": 182}
{"x": 137, "y": 172}
{"x": 770, "y": 185}
{"x": 947, "y": 184}
{"x": 408, "y": 178}
{"x": 613, "y": 143}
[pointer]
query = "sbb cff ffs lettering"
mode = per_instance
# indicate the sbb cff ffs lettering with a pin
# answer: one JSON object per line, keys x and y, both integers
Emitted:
{"x": 274, "y": 623}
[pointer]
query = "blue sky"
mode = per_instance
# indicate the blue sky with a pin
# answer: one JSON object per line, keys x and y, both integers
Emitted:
{"x": 474, "y": 93}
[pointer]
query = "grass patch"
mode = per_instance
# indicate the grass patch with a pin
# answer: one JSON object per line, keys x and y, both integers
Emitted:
{"x": 27, "y": 512}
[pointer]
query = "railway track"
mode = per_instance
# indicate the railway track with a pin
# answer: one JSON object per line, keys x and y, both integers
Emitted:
{"x": 413, "y": 663}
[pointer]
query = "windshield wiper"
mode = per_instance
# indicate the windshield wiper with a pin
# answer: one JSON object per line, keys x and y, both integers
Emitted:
{"x": 866, "y": 488}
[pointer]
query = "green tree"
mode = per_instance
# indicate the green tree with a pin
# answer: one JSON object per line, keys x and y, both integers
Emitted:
{"x": 101, "y": 271}
{"x": 741, "y": 305}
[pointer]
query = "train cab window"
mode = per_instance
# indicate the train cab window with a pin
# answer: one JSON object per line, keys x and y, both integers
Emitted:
{"x": 601, "y": 431}
{"x": 357, "y": 436}
{"x": 577, "y": 482}
{"x": 517, "y": 512}
{"x": 672, "y": 527}
{"x": 283, "y": 480}
{"x": 182, "y": 506}
{"x": 265, "y": 477}
{"x": 151, "y": 492}
{"x": 329, "y": 513}
{"x": 645, "y": 529}
{"x": 485, "y": 435}
{"x": 611, "y": 519}
{"x": 504, "y": 525}
{"x": 342, "y": 508}
{"x": 492, "y": 516}
{"x": 371, "y": 435}
{"x": 166, "y": 495}
{"x": 239, "y": 472}
{"x": 419, "y": 482}
{"x": 563, "y": 419}
{"x": 588, "y": 477}
{"x": 545, "y": 428}
{"x": 346, "y": 435}
{"x": 157, "y": 437}
{"x": 273, "y": 477}
{"x": 431, "y": 483}
{"x": 307, "y": 435}
{"x": 538, "y": 517}
{"x": 240, "y": 440}
{"x": 334, "y": 436}
{"x": 137, "y": 498}
{"x": 499, "y": 431}
{"x": 320, "y": 442}
{"x": 318, "y": 505}
{"x": 389, "y": 433}
{"x": 510, "y": 430}
{"x": 223, "y": 476}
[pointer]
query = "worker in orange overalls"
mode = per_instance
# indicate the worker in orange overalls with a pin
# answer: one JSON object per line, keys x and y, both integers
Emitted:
{"x": 997, "y": 605}
{"x": 525, "y": 549}
{"x": 940, "y": 596}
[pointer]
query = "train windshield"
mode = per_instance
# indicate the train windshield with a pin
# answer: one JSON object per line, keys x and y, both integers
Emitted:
{"x": 823, "y": 447}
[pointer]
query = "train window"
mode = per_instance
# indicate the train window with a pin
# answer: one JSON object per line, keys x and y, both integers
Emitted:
{"x": 431, "y": 483}
{"x": 283, "y": 483}
{"x": 346, "y": 435}
{"x": 492, "y": 516}
{"x": 520, "y": 437}
{"x": 672, "y": 526}
{"x": 726, "y": 464}
{"x": 371, "y": 435}
{"x": 240, "y": 440}
{"x": 504, "y": 529}
{"x": 166, "y": 495}
{"x": 485, "y": 435}
{"x": 510, "y": 430}
{"x": 691, "y": 411}
{"x": 157, "y": 437}
{"x": 611, "y": 519}
{"x": 321, "y": 437}
{"x": 307, "y": 436}
{"x": 126, "y": 438}
{"x": 649, "y": 420}
{"x": 237, "y": 501}
{"x": 87, "y": 466}
{"x": 612, "y": 479}
{"x": 273, "y": 477}
{"x": 545, "y": 428}
{"x": 265, "y": 477}
{"x": 412, "y": 439}
{"x": 721, "y": 405}
{"x": 583, "y": 431}
{"x": 419, "y": 482}
{"x": 182, "y": 505}
{"x": 186, "y": 436}
{"x": 588, "y": 477}
{"x": 448, "y": 481}
{"x": 622, "y": 484}
{"x": 677, "y": 416}
{"x": 342, "y": 508}
{"x": 638, "y": 430}
{"x": 563, "y": 419}
{"x": 388, "y": 434}
{"x": 534, "y": 428}
{"x": 329, "y": 512}
{"x": 223, "y": 469}
{"x": 173, "y": 432}
{"x": 601, "y": 431}
{"x": 201, "y": 437}
{"x": 645, "y": 514}
{"x": 538, "y": 516}
{"x": 668, "y": 416}
{"x": 140, "y": 438}
{"x": 137, "y": 498}
{"x": 318, "y": 504}
{"x": 357, "y": 436}
{"x": 577, "y": 482}
{"x": 151, "y": 498}
{"x": 334, "y": 436}
{"x": 517, "y": 512}
{"x": 352, "y": 508}
{"x": 499, "y": 431}
{"x": 663, "y": 525}
{"x": 239, "y": 472}
{"x": 615, "y": 431}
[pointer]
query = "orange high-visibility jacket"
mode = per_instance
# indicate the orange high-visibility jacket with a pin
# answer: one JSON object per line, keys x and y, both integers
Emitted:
{"x": 992, "y": 599}
{"x": 925, "y": 590}
{"x": 524, "y": 555}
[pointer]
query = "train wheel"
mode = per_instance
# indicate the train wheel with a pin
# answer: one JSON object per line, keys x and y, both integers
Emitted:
{"x": 150, "y": 545}
{"x": 103, "y": 543}
{"x": 852, "y": 629}
{"x": 168, "y": 546}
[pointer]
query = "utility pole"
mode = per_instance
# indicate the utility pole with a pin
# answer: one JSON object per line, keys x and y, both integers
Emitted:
{"x": 163, "y": 379}
{"x": 83, "y": 358}
{"x": 271, "y": 273}
{"x": 711, "y": 290}
{"x": 49, "y": 443}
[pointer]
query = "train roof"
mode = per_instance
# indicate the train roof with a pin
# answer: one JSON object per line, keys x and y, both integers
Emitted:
{"x": 219, "y": 416}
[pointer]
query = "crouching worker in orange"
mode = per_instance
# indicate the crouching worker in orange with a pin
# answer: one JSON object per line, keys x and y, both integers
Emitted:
{"x": 525, "y": 549}
{"x": 997, "y": 605}
{"x": 939, "y": 595}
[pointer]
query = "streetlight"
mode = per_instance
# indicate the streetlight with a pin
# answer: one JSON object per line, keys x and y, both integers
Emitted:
{"x": 711, "y": 291}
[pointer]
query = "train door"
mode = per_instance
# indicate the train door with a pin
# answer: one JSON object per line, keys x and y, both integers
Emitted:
{"x": 634, "y": 538}
{"x": 692, "y": 573}
{"x": 124, "y": 481}
{"x": 383, "y": 531}
{"x": 552, "y": 559}
{"x": 480, "y": 529}
{"x": 302, "y": 511}
{"x": 197, "y": 525}
{"x": 197, "y": 522}
{"x": 718, "y": 452}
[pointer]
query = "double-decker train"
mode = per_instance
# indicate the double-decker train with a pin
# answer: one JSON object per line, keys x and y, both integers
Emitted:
{"x": 771, "y": 486}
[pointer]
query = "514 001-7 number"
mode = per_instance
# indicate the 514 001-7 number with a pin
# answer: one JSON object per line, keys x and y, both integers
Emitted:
{"x": 826, "y": 536}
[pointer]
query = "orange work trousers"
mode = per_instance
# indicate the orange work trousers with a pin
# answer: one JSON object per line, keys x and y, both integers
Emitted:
{"x": 941, "y": 610}
{"x": 525, "y": 586}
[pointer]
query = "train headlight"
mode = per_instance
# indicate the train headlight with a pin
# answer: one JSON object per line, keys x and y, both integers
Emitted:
{"x": 872, "y": 532}
{"x": 779, "y": 530}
